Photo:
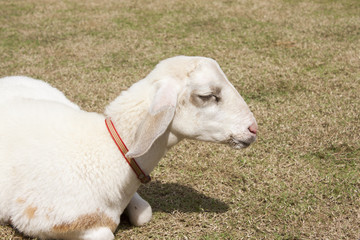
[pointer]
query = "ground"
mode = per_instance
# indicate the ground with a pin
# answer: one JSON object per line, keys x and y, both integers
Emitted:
{"x": 297, "y": 65}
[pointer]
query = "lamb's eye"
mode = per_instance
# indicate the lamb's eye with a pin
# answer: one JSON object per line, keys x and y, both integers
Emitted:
{"x": 209, "y": 97}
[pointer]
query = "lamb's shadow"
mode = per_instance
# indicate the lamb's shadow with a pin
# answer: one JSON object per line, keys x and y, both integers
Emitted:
{"x": 169, "y": 197}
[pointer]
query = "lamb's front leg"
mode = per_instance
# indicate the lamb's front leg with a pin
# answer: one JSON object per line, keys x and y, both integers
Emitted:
{"x": 138, "y": 210}
{"x": 101, "y": 233}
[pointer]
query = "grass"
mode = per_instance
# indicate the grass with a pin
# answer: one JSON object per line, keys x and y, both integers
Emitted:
{"x": 296, "y": 63}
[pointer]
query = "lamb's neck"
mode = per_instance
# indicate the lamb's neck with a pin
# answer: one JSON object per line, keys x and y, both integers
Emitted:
{"x": 151, "y": 159}
{"x": 126, "y": 124}
{"x": 127, "y": 112}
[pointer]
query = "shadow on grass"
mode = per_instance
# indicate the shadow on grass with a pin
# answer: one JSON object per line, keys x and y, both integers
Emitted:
{"x": 170, "y": 197}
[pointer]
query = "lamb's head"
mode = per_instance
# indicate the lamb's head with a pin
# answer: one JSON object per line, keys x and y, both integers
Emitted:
{"x": 192, "y": 98}
{"x": 210, "y": 109}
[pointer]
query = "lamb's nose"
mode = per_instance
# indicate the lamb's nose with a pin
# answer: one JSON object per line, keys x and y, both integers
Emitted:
{"x": 253, "y": 128}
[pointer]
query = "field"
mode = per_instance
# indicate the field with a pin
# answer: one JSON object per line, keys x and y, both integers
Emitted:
{"x": 297, "y": 65}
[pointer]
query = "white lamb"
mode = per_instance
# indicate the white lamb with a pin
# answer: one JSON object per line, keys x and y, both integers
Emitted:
{"x": 62, "y": 175}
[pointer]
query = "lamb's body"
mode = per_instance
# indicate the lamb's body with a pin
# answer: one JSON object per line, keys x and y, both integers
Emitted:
{"x": 61, "y": 174}
{"x": 25, "y": 88}
{"x": 101, "y": 177}
{"x": 86, "y": 181}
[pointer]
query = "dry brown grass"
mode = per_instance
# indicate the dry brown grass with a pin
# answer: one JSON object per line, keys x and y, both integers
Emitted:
{"x": 295, "y": 62}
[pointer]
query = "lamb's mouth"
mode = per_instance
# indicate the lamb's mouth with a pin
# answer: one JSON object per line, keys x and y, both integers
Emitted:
{"x": 238, "y": 144}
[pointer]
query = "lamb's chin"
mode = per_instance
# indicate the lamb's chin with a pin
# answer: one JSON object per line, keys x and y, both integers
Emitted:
{"x": 239, "y": 144}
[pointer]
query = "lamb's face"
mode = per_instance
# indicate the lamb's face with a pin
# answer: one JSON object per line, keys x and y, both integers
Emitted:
{"x": 210, "y": 109}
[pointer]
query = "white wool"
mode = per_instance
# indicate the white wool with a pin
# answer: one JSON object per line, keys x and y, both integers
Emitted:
{"x": 25, "y": 87}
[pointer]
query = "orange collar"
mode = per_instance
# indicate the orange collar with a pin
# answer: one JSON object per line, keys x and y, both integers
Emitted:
{"x": 123, "y": 149}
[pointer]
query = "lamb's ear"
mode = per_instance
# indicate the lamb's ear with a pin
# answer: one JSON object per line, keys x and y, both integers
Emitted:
{"x": 157, "y": 120}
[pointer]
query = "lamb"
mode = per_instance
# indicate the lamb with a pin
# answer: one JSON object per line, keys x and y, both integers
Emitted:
{"x": 61, "y": 173}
